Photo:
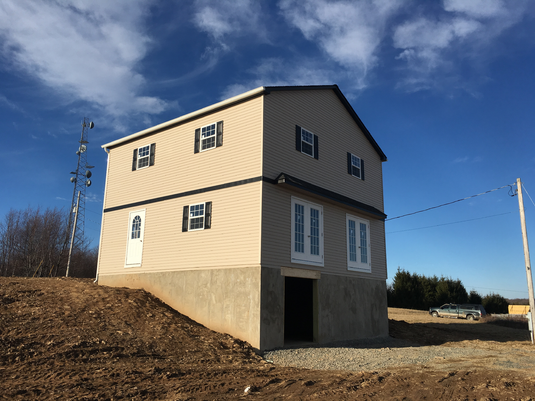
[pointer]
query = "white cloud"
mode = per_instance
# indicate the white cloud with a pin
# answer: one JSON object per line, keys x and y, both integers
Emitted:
{"x": 278, "y": 72}
{"x": 223, "y": 19}
{"x": 84, "y": 50}
{"x": 467, "y": 159}
{"x": 477, "y": 8}
{"x": 350, "y": 33}
{"x": 433, "y": 45}
{"x": 10, "y": 104}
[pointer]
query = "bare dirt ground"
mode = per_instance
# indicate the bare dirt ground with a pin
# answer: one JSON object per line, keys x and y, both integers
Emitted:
{"x": 72, "y": 339}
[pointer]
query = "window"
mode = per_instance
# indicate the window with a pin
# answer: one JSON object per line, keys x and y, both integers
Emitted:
{"x": 136, "y": 227}
{"x": 197, "y": 217}
{"x": 143, "y": 157}
{"x": 358, "y": 244}
{"x": 355, "y": 166}
{"x": 208, "y": 137}
{"x": 307, "y": 232}
{"x": 306, "y": 142}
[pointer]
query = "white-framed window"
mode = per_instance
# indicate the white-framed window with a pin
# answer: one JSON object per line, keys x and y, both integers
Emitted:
{"x": 197, "y": 217}
{"x": 307, "y": 232}
{"x": 358, "y": 244}
{"x": 306, "y": 142}
{"x": 208, "y": 137}
{"x": 143, "y": 157}
{"x": 355, "y": 166}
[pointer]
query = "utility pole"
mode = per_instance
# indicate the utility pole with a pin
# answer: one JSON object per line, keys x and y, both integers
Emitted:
{"x": 73, "y": 231}
{"x": 526, "y": 256}
{"x": 81, "y": 180}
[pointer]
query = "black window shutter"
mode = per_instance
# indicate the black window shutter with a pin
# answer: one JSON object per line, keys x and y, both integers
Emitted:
{"x": 185, "y": 216}
{"x": 316, "y": 150}
{"x": 298, "y": 138}
{"x": 362, "y": 169}
{"x": 349, "y": 167}
{"x": 197, "y": 140}
{"x": 134, "y": 161}
{"x": 219, "y": 140}
{"x": 152, "y": 152}
{"x": 207, "y": 215}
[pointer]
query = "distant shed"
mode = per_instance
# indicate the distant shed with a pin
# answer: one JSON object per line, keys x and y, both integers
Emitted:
{"x": 518, "y": 309}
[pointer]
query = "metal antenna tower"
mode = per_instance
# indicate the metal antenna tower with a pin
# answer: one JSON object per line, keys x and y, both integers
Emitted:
{"x": 81, "y": 179}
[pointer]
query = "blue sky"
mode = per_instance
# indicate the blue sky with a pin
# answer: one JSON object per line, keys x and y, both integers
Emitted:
{"x": 445, "y": 87}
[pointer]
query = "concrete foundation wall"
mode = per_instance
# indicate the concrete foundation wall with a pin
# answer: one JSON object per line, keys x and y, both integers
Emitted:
{"x": 351, "y": 308}
{"x": 227, "y": 300}
{"x": 348, "y": 308}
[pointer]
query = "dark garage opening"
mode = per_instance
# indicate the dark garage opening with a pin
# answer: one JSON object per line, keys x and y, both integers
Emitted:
{"x": 298, "y": 309}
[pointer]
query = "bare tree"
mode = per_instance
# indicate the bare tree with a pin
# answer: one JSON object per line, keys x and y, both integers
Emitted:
{"x": 32, "y": 243}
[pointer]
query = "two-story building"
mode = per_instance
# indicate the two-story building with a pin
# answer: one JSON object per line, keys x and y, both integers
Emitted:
{"x": 260, "y": 216}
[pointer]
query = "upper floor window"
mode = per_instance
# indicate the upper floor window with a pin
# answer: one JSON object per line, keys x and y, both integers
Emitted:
{"x": 208, "y": 137}
{"x": 358, "y": 244}
{"x": 355, "y": 166}
{"x": 306, "y": 142}
{"x": 197, "y": 217}
{"x": 143, "y": 157}
{"x": 307, "y": 232}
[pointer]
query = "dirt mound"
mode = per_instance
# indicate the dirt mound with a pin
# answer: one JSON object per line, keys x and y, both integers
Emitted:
{"x": 72, "y": 339}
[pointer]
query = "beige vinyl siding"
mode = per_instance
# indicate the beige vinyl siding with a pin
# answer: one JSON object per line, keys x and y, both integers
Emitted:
{"x": 233, "y": 240}
{"x": 178, "y": 169}
{"x": 277, "y": 241}
{"x": 320, "y": 112}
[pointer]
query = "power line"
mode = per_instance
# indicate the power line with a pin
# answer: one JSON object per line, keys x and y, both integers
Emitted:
{"x": 445, "y": 224}
{"x": 450, "y": 203}
{"x": 523, "y": 186}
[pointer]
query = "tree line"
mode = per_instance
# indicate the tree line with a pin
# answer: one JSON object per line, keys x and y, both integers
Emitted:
{"x": 415, "y": 291}
{"x": 35, "y": 243}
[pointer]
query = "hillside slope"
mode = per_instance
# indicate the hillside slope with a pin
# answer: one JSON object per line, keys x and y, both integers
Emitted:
{"x": 72, "y": 339}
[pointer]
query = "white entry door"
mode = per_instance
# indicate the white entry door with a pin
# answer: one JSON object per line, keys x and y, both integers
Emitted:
{"x": 134, "y": 248}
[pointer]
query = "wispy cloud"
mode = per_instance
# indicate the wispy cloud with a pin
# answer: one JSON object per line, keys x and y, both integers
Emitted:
{"x": 84, "y": 50}
{"x": 350, "y": 33}
{"x": 4, "y": 100}
{"x": 224, "y": 20}
{"x": 467, "y": 159}
{"x": 91, "y": 197}
{"x": 434, "y": 46}
{"x": 279, "y": 72}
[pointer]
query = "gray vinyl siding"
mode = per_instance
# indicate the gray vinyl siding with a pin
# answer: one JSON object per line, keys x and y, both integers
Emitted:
{"x": 320, "y": 112}
{"x": 277, "y": 241}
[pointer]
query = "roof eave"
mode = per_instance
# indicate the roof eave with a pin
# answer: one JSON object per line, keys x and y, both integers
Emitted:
{"x": 219, "y": 105}
{"x": 346, "y": 104}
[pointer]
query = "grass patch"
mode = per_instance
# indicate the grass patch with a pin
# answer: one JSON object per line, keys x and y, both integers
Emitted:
{"x": 511, "y": 321}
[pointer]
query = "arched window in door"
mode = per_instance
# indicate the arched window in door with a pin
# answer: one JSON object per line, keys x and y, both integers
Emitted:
{"x": 136, "y": 227}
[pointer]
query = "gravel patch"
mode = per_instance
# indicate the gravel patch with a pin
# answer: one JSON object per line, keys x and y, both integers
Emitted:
{"x": 365, "y": 355}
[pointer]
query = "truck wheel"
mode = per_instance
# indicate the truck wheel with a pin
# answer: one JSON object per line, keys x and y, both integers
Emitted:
{"x": 469, "y": 317}
{"x": 434, "y": 314}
